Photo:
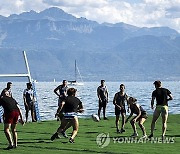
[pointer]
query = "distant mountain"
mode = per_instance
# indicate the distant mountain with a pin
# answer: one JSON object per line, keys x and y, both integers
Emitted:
{"x": 53, "y": 13}
{"x": 53, "y": 39}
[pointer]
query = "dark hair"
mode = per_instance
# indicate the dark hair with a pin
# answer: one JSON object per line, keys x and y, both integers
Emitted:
{"x": 29, "y": 84}
{"x": 157, "y": 83}
{"x": 71, "y": 91}
{"x": 122, "y": 85}
{"x": 102, "y": 81}
{"x": 9, "y": 83}
{"x": 64, "y": 81}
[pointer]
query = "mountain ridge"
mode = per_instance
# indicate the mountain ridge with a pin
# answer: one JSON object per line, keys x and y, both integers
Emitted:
{"x": 58, "y": 38}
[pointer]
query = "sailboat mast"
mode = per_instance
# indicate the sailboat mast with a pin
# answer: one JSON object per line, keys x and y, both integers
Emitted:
{"x": 75, "y": 71}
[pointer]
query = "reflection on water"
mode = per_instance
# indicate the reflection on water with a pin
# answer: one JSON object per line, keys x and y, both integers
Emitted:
{"x": 48, "y": 100}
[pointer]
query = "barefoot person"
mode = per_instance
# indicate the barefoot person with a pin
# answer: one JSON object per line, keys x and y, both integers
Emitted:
{"x": 11, "y": 114}
{"x": 71, "y": 105}
{"x": 102, "y": 93}
{"x": 28, "y": 96}
{"x": 61, "y": 92}
{"x": 162, "y": 96}
{"x": 140, "y": 117}
{"x": 119, "y": 102}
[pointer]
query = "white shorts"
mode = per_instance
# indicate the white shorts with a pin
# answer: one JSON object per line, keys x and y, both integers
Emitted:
{"x": 70, "y": 115}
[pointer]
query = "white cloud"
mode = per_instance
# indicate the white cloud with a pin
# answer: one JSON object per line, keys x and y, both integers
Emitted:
{"x": 143, "y": 13}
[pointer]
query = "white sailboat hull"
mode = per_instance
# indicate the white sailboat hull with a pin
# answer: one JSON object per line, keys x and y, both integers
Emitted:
{"x": 75, "y": 83}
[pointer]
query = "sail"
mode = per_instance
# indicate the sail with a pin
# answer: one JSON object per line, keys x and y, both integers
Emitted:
{"x": 76, "y": 74}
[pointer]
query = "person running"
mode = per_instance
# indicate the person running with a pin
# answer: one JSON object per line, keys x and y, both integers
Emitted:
{"x": 61, "y": 92}
{"x": 71, "y": 106}
{"x": 162, "y": 96}
{"x": 140, "y": 117}
{"x": 28, "y": 97}
{"x": 11, "y": 114}
{"x": 8, "y": 88}
{"x": 119, "y": 102}
{"x": 102, "y": 93}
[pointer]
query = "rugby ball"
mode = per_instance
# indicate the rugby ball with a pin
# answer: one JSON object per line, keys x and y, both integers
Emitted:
{"x": 95, "y": 117}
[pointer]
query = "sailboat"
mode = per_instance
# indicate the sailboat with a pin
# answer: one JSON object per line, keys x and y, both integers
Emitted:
{"x": 75, "y": 82}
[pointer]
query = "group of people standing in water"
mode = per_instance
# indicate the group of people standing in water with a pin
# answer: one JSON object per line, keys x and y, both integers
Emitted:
{"x": 69, "y": 105}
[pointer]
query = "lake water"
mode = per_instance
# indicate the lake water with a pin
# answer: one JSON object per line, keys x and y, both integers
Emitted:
{"x": 47, "y": 100}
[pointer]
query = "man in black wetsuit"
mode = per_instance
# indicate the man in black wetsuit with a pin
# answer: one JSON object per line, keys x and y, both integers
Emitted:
{"x": 102, "y": 93}
{"x": 162, "y": 96}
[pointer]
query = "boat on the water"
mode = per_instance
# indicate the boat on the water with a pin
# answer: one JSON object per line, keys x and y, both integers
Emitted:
{"x": 77, "y": 73}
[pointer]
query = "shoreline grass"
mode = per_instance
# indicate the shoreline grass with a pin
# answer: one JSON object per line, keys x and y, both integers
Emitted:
{"x": 35, "y": 138}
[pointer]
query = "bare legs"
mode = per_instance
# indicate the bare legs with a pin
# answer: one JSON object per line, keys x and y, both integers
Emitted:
{"x": 123, "y": 122}
{"x": 65, "y": 124}
{"x": 140, "y": 122}
{"x": 164, "y": 123}
{"x": 32, "y": 113}
{"x": 117, "y": 123}
{"x": 8, "y": 134}
{"x": 164, "y": 115}
{"x": 155, "y": 117}
{"x": 102, "y": 105}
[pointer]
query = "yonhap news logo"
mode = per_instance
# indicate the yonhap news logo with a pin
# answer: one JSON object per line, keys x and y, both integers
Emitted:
{"x": 103, "y": 140}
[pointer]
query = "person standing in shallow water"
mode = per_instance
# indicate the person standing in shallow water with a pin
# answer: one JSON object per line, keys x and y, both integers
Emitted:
{"x": 162, "y": 96}
{"x": 102, "y": 93}
{"x": 119, "y": 102}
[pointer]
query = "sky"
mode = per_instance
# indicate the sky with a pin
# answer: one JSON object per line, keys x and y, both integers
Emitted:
{"x": 141, "y": 13}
